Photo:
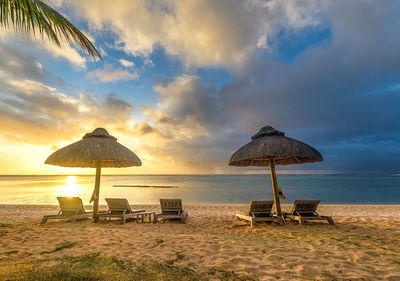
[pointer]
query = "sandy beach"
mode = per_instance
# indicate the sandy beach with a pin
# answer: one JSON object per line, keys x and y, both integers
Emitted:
{"x": 363, "y": 245}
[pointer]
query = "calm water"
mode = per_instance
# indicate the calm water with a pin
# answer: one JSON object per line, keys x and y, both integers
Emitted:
{"x": 342, "y": 189}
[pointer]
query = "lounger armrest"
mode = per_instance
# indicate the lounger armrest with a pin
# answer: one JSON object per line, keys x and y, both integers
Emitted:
{"x": 244, "y": 216}
{"x": 241, "y": 213}
{"x": 137, "y": 211}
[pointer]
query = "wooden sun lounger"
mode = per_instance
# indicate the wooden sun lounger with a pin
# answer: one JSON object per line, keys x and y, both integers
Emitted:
{"x": 259, "y": 211}
{"x": 172, "y": 209}
{"x": 119, "y": 208}
{"x": 305, "y": 210}
{"x": 71, "y": 208}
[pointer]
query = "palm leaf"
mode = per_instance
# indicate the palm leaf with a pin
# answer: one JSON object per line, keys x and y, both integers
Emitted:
{"x": 34, "y": 15}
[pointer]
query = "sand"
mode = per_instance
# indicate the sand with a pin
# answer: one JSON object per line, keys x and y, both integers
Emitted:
{"x": 363, "y": 245}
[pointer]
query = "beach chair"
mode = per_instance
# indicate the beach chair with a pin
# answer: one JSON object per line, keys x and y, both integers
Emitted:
{"x": 305, "y": 210}
{"x": 172, "y": 209}
{"x": 119, "y": 208}
{"x": 259, "y": 211}
{"x": 71, "y": 208}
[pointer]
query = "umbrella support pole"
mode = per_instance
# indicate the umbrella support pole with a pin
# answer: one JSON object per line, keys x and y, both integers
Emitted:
{"x": 96, "y": 192}
{"x": 275, "y": 188}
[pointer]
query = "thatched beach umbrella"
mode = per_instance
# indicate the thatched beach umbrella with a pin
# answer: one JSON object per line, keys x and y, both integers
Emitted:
{"x": 96, "y": 150}
{"x": 270, "y": 147}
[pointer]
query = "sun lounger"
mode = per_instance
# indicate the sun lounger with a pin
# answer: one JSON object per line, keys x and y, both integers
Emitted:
{"x": 119, "y": 208}
{"x": 305, "y": 210}
{"x": 259, "y": 211}
{"x": 71, "y": 208}
{"x": 172, "y": 209}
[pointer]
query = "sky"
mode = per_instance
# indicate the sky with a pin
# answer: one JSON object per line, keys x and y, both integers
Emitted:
{"x": 184, "y": 84}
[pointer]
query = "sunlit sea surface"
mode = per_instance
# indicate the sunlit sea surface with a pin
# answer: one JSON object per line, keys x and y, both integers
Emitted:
{"x": 198, "y": 189}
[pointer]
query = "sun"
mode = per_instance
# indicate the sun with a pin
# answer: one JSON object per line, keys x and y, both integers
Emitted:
{"x": 70, "y": 188}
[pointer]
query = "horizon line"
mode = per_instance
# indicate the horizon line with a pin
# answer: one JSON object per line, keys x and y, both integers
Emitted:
{"x": 203, "y": 174}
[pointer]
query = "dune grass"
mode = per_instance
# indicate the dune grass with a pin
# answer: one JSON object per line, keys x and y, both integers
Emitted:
{"x": 8, "y": 223}
{"x": 93, "y": 267}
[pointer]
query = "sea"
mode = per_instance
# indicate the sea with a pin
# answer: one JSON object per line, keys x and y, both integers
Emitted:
{"x": 203, "y": 189}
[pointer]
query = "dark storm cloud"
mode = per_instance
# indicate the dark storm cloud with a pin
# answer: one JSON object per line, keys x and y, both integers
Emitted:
{"x": 341, "y": 96}
{"x": 334, "y": 96}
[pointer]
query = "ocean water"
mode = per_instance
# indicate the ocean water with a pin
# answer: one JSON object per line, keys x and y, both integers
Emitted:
{"x": 200, "y": 189}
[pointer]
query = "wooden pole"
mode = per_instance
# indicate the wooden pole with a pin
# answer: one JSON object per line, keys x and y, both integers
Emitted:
{"x": 275, "y": 188}
{"x": 97, "y": 192}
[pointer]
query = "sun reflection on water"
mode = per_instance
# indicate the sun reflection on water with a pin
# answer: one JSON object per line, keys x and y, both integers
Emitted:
{"x": 70, "y": 188}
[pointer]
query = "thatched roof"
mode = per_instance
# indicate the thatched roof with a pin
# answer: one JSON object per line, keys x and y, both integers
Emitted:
{"x": 98, "y": 145}
{"x": 269, "y": 143}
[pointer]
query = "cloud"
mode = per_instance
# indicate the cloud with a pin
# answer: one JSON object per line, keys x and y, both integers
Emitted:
{"x": 339, "y": 94}
{"x": 15, "y": 64}
{"x": 36, "y": 114}
{"x": 186, "y": 96}
{"x": 334, "y": 96}
{"x": 34, "y": 111}
{"x": 65, "y": 51}
{"x": 109, "y": 74}
{"x": 126, "y": 63}
{"x": 148, "y": 62}
{"x": 172, "y": 127}
{"x": 200, "y": 33}
{"x": 31, "y": 112}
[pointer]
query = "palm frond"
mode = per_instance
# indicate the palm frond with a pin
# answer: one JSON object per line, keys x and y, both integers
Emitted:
{"x": 34, "y": 15}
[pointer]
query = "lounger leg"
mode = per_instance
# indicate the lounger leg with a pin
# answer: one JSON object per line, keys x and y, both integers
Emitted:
{"x": 123, "y": 220}
{"x": 301, "y": 221}
{"x": 44, "y": 220}
{"x": 330, "y": 220}
{"x": 252, "y": 222}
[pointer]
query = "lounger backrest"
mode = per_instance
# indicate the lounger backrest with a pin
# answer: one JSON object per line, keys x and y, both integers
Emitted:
{"x": 171, "y": 206}
{"x": 260, "y": 207}
{"x": 71, "y": 205}
{"x": 118, "y": 205}
{"x": 305, "y": 206}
